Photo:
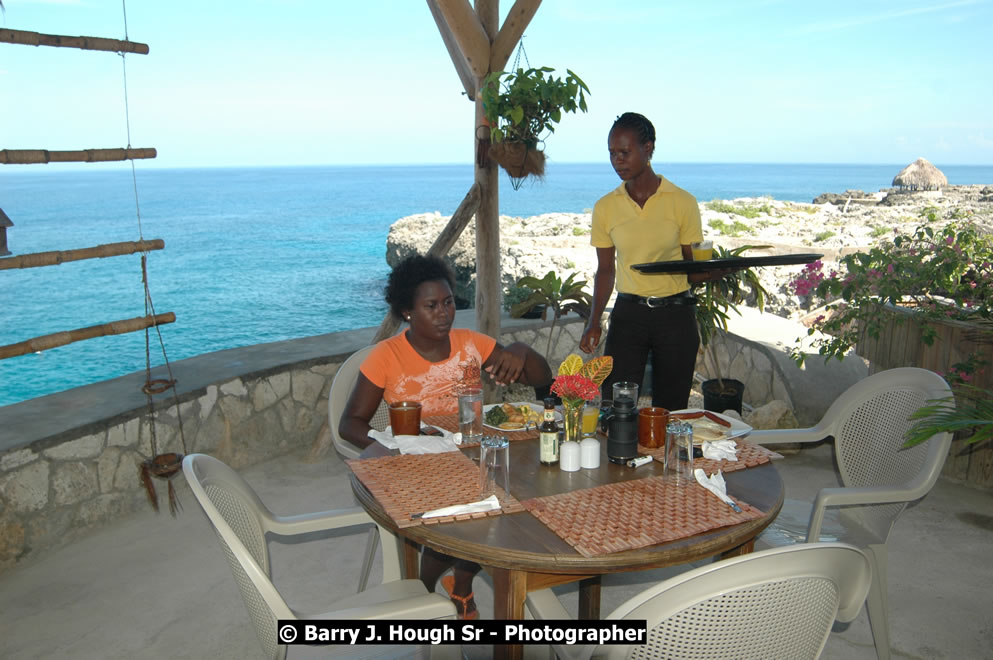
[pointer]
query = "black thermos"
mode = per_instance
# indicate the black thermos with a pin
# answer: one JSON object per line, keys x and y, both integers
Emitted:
{"x": 622, "y": 431}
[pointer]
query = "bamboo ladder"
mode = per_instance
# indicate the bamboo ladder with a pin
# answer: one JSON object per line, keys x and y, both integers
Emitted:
{"x": 159, "y": 465}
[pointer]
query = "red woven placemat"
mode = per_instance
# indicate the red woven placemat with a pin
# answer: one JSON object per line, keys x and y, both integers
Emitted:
{"x": 451, "y": 423}
{"x": 749, "y": 455}
{"x": 634, "y": 514}
{"x": 413, "y": 483}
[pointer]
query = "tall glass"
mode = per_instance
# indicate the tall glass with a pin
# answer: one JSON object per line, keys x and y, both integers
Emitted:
{"x": 471, "y": 414}
{"x": 494, "y": 468}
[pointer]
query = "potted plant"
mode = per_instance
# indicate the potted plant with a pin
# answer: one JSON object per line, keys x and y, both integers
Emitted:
{"x": 514, "y": 296}
{"x": 970, "y": 408}
{"x": 715, "y": 300}
{"x": 520, "y": 107}
{"x": 561, "y": 296}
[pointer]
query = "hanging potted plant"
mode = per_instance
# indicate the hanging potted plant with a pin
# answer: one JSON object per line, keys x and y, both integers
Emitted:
{"x": 714, "y": 302}
{"x": 520, "y": 107}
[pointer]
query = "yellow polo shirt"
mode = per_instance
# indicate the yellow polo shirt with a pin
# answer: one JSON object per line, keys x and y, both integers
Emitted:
{"x": 639, "y": 235}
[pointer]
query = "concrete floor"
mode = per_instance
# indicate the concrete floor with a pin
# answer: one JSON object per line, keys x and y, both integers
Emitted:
{"x": 151, "y": 586}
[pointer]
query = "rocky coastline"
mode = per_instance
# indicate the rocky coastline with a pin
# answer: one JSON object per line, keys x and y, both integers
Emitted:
{"x": 833, "y": 224}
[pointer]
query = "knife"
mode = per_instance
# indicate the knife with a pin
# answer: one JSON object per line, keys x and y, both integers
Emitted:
{"x": 706, "y": 482}
{"x": 489, "y": 504}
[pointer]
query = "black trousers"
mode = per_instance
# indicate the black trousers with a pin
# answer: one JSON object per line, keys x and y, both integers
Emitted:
{"x": 669, "y": 334}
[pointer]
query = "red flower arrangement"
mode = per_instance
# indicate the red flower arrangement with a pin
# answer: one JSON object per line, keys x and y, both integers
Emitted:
{"x": 575, "y": 388}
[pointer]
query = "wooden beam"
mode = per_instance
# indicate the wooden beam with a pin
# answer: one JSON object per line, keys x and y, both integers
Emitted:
{"x": 458, "y": 59}
{"x": 472, "y": 40}
{"x": 46, "y": 342}
{"x": 57, "y": 257}
{"x": 513, "y": 29}
{"x": 488, "y": 284}
{"x": 441, "y": 246}
{"x": 35, "y": 156}
{"x": 25, "y": 38}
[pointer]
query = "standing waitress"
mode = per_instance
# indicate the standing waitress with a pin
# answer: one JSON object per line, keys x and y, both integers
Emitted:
{"x": 645, "y": 219}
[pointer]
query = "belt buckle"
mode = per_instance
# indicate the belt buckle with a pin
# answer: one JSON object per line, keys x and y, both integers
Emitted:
{"x": 649, "y": 303}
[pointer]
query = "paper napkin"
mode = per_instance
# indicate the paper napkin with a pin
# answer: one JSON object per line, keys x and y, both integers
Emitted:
{"x": 721, "y": 450}
{"x": 491, "y": 503}
{"x": 716, "y": 485}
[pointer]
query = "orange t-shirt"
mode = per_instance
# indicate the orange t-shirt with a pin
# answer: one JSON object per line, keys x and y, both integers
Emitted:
{"x": 404, "y": 375}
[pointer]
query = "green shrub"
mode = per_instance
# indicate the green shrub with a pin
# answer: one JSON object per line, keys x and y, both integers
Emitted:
{"x": 580, "y": 231}
{"x": 824, "y": 235}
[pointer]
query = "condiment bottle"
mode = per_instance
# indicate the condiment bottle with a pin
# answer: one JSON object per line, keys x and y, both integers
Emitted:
{"x": 549, "y": 430}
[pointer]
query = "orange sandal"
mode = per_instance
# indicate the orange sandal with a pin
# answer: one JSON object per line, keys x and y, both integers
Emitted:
{"x": 465, "y": 606}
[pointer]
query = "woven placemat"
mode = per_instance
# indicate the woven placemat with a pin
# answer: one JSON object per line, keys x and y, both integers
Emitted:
{"x": 451, "y": 423}
{"x": 634, "y": 514}
{"x": 413, "y": 483}
{"x": 749, "y": 455}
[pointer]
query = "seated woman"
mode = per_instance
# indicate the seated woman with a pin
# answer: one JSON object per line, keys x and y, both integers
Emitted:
{"x": 430, "y": 362}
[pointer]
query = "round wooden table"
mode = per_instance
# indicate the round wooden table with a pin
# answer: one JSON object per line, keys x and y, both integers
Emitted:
{"x": 522, "y": 554}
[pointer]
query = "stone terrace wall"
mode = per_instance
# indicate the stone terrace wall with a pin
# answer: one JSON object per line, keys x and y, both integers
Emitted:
{"x": 55, "y": 484}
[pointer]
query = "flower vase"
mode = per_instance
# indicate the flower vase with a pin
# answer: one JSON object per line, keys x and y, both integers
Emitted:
{"x": 572, "y": 412}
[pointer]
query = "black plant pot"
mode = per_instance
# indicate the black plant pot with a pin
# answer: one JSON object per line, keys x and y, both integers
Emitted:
{"x": 534, "y": 313}
{"x": 717, "y": 399}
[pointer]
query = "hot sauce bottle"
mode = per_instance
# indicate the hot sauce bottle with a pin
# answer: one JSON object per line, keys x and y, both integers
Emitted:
{"x": 549, "y": 430}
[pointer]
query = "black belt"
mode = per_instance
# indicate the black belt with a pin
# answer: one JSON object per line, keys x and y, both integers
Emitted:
{"x": 682, "y": 298}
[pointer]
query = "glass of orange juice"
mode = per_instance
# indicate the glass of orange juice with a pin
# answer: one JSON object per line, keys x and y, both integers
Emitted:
{"x": 591, "y": 416}
{"x": 703, "y": 250}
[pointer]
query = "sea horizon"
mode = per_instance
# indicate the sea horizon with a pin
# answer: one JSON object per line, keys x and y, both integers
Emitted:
{"x": 261, "y": 254}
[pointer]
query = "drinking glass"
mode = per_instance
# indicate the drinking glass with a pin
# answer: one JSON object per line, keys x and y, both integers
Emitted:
{"x": 494, "y": 468}
{"x": 702, "y": 250}
{"x": 405, "y": 417}
{"x": 626, "y": 389}
{"x": 591, "y": 416}
{"x": 652, "y": 423}
{"x": 679, "y": 451}
{"x": 471, "y": 414}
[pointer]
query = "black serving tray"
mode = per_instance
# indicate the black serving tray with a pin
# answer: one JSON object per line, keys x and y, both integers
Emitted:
{"x": 732, "y": 262}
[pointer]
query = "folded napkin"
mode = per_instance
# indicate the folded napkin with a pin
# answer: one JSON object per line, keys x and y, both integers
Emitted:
{"x": 431, "y": 444}
{"x": 489, "y": 504}
{"x": 716, "y": 485}
{"x": 721, "y": 450}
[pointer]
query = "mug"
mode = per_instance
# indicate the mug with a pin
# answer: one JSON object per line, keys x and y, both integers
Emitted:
{"x": 652, "y": 424}
{"x": 405, "y": 417}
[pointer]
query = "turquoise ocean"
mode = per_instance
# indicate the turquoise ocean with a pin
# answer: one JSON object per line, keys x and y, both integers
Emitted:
{"x": 256, "y": 255}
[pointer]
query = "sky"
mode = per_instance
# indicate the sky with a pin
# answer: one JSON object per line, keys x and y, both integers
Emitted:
{"x": 310, "y": 82}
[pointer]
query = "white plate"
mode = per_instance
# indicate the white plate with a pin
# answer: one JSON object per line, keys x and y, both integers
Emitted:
{"x": 517, "y": 404}
{"x": 738, "y": 427}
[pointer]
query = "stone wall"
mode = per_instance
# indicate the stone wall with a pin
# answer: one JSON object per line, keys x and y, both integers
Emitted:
{"x": 55, "y": 488}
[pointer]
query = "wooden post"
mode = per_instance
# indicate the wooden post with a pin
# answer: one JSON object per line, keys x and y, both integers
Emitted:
{"x": 25, "y": 38}
{"x": 46, "y": 342}
{"x": 488, "y": 288}
{"x": 35, "y": 156}
{"x": 57, "y": 257}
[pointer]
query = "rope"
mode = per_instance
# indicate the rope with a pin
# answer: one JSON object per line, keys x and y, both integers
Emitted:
{"x": 161, "y": 385}
{"x": 520, "y": 51}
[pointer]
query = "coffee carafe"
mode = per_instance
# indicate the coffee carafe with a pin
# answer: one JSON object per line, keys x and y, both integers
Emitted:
{"x": 622, "y": 430}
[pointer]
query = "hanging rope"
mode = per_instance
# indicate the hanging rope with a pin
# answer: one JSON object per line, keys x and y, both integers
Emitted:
{"x": 517, "y": 56}
{"x": 163, "y": 466}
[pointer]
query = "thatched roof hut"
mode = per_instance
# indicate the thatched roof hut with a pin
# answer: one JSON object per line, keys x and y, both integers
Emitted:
{"x": 920, "y": 175}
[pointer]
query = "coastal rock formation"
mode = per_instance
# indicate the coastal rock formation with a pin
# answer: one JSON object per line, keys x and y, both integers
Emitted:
{"x": 561, "y": 241}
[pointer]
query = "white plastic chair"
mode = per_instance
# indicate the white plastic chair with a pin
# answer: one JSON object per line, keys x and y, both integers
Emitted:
{"x": 779, "y": 603}
{"x": 879, "y": 477}
{"x": 242, "y": 521}
{"x": 341, "y": 389}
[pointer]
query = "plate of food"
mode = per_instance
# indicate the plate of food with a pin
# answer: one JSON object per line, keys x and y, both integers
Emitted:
{"x": 710, "y": 426}
{"x": 516, "y": 416}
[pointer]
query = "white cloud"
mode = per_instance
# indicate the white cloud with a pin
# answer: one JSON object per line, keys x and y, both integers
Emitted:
{"x": 981, "y": 140}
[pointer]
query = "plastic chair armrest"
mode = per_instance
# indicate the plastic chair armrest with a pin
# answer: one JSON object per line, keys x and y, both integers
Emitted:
{"x": 428, "y": 606}
{"x": 544, "y": 604}
{"x": 318, "y": 521}
{"x": 787, "y": 436}
{"x": 830, "y": 497}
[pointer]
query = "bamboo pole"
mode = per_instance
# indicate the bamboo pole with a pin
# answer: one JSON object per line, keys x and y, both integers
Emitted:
{"x": 34, "y": 156}
{"x": 441, "y": 246}
{"x": 57, "y": 257}
{"x": 46, "y": 342}
{"x": 26, "y": 38}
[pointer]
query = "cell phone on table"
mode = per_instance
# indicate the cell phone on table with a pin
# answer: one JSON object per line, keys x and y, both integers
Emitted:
{"x": 430, "y": 430}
